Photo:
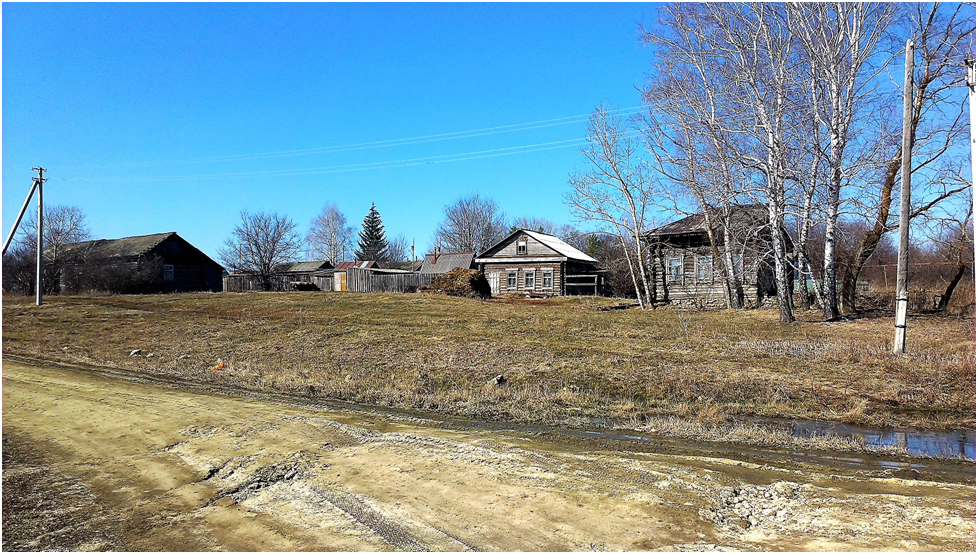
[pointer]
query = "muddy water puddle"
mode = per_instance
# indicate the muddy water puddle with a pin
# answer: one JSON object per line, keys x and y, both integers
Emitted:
{"x": 955, "y": 443}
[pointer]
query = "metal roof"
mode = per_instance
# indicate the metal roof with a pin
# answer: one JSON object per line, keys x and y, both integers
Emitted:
{"x": 362, "y": 265}
{"x": 443, "y": 263}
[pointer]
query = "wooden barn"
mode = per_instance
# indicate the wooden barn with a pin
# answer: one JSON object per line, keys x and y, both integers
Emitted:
{"x": 163, "y": 262}
{"x": 537, "y": 263}
{"x": 690, "y": 271}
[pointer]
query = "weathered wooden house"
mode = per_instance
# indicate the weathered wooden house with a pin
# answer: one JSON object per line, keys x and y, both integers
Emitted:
{"x": 690, "y": 271}
{"x": 440, "y": 263}
{"x": 533, "y": 262}
{"x": 162, "y": 262}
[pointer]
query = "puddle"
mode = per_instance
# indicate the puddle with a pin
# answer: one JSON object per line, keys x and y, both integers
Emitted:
{"x": 957, "y": 443}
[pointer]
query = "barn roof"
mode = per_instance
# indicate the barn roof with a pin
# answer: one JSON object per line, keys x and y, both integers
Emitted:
{"x": 121, "y": 248}
{"x": 305, "y": 267}
{"x": 443, "y": 263}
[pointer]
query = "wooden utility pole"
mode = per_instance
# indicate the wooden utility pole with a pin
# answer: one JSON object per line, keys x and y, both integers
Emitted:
{"x": 902, "y": 287}
{"x": 40, "y": 233}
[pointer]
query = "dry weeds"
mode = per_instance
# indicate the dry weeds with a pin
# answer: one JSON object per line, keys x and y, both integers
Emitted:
{"x": 564, "y": 361}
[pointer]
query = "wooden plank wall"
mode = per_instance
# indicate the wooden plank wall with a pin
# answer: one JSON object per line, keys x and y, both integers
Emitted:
{"x": 364, "y": 280}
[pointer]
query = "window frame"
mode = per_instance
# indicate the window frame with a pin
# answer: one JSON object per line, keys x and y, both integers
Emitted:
{"x": 700, "y": 265}
{"x": 521, "y": 248}
{"x": 543, "y": 279}
{"x": 169, "y": 272}
{"x": 671, "y": 276}
{"x": 529, "y": 279}
{"x": 512, "y": 279}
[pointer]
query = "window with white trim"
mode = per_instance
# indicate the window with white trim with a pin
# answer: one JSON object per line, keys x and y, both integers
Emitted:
{"x": 168, "y": 272}
{"x": 521, "y": 247}
{"x": 511, "y": 277}
{"x": 547, "y": 279}
{"x": 530, "y": 280}
{"x": 675, "y": 270}
{"x": 704, "y": 268}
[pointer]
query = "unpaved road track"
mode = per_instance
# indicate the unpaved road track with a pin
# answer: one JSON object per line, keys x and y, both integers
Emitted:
{"x": 96, "y": 462}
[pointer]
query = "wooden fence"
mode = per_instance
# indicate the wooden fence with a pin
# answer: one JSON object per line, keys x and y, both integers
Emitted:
{"x": 365, "y": 280}
{"x": 279, "y": 283}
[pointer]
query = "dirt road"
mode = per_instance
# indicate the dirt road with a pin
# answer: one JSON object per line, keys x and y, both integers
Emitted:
{"x": 94, "y": 462}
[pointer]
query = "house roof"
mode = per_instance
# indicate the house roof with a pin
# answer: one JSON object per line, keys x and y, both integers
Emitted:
{"x": 305, "y": 267}
{"x": 362, "y": 265}
{"x": 443, "y": 263}
{"x": 560, "y": 246}
{"x": 124, "y": 247}
{"x": 740, "y": 215}
{"x": 549, "y": 241}
{"x": 695, "y": 223}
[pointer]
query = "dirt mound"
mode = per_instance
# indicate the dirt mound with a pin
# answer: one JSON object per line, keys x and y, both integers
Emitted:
{"x": 461, "y": 282}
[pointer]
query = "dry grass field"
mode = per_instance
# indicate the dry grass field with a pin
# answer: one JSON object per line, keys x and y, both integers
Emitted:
{"x": 564, "y": 361}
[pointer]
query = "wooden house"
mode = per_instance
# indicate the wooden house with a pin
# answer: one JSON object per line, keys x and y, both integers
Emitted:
{"x": 537, "y": 263}
{"x": 286, "y": 277}
{"x": 162, "y": 262}
{"x": 690, "y": 271}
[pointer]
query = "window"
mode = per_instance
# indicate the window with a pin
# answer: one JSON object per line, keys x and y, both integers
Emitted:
{"x": 167, "y": 272}
{"x": 530, "y": 280}
{"x": 704, "y": 268}
{"x": 547, "y": 280}
{"x": 511, "y": 280}
{"x": 521, "y": 247}
{"x": 675, "y": 270}
{"x": 738, "y": 263}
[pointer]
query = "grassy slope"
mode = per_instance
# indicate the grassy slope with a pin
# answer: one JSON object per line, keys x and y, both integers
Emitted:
{"x": 565, "y": 361}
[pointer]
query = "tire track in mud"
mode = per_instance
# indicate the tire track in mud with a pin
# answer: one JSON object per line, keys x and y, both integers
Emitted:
{"x": 383, "y": 527}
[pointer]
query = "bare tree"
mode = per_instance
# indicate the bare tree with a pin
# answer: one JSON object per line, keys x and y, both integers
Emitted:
{"x": 398, "y": 249}
{"x": 540, "y": 224}
{"x": 944, "y": 38}
{"x": 62, "y": 225}
{"x": 471, "y": 224}
{"x": 329, "y": 236}
{"x": 260, "y": 243}
{"x": 616, "y": 192}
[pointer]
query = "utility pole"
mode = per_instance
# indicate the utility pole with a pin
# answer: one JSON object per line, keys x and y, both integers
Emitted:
{"x": 902, "y": 293}
{"x": 40, "y": 233}
{"x": 970, "y": 78}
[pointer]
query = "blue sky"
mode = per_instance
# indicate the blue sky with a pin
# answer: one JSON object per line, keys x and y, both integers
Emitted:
{"x": 173, "y": 117}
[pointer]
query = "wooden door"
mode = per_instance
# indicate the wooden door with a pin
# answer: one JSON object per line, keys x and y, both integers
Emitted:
{"x": 494, "y": 281}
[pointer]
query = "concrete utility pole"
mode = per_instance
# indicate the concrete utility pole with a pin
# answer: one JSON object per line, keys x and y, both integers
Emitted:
{"x": 970, "y": 78}
{"x": 40, "y": 233}
{"x": 902, "y": 292}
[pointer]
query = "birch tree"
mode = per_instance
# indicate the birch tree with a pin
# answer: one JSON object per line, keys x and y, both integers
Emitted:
{"x": 840, "y": 43}
{"x": 615, "y": 192}
{"x": 329, "y": 235}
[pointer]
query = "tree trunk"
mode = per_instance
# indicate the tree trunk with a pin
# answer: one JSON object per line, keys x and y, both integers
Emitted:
{"x": 946, "y": 297}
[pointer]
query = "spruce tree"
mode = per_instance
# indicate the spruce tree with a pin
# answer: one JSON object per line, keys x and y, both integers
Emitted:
{"x": 373, "y": 243}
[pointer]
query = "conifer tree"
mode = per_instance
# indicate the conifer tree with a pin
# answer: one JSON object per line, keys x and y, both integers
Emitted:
{"x": 373, "y": 242}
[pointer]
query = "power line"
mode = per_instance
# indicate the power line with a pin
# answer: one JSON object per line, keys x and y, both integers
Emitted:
{"x": 390, "y": 164}
{"x": 377, "y": 144}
